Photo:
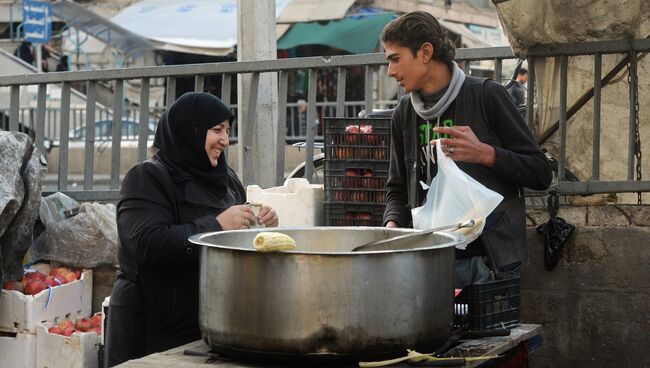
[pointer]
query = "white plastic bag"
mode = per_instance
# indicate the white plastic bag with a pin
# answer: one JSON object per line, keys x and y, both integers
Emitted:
{"x": 455, "y": 197}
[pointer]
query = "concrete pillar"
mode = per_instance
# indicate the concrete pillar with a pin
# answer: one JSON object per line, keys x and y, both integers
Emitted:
{"x": 256, "y": 40}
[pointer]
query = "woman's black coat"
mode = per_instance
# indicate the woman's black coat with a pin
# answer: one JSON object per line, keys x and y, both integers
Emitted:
{"x": 154, "y": 304}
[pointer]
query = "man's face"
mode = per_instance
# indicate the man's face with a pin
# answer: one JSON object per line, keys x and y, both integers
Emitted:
{"x": 408, "y": 70}
{"x": 522, "y": 78}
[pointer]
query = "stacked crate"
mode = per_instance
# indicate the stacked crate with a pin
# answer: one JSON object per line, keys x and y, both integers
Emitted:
{"x": 356, "y": 170}
{"x": 24, "y": 340}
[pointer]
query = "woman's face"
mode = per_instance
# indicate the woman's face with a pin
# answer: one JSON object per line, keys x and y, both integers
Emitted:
{"x": 216, "y": 140}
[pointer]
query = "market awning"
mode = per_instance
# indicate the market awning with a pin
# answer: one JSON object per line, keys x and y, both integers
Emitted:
{"x": 467, "y": 37}
{"x": 200, "y": 27}
{"x": 314, "y": 10}
{"x": 354, "y": 34}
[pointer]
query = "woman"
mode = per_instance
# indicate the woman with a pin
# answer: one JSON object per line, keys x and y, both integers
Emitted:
{"x": 184, "y": 189}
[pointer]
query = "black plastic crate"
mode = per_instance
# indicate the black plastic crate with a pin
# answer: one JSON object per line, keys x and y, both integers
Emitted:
{"x": 351, "y": 214}
{"x": 356, "y": 139}
{"x": 356, "y": 181}
{"x": 494, "y": 304}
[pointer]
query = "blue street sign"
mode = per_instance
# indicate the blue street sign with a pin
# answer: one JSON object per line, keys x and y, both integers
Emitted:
{"x": 37, "y": 21}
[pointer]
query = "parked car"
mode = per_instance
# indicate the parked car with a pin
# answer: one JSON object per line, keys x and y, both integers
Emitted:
{"x": 104, "y": 131}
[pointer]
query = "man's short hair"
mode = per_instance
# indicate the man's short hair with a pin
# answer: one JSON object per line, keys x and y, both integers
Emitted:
{"x": 413, "y": 29}
{"x": 522, "y": 71}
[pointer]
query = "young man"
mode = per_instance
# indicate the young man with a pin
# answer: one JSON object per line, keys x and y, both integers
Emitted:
{"x": 481, "y": 130}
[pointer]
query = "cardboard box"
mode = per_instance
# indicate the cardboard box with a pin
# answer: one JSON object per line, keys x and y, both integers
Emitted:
{"x": 17, "y": 350}
{"x": 78, "y": 350}
{"x": 21, "y": 313}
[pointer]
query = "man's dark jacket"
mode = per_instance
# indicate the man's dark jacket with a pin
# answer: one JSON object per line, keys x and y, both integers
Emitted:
{"x": 517, "y": 93}
{"x": 485, "y": 106}
{"x": 154, "y": 304}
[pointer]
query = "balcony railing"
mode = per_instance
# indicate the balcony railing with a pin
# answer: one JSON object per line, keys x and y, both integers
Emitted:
{"x": 68, "y": 119}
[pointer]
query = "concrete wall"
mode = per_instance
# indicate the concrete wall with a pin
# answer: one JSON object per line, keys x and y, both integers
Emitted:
{"x": 595, "y": 305}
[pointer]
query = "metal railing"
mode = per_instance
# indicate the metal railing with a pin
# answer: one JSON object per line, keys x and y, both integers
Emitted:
{"x": 339, "y": 108}
{"x": 296, "y": 122}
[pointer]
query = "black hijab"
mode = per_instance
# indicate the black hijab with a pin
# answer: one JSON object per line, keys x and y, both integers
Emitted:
{"x": 180, "y": 137}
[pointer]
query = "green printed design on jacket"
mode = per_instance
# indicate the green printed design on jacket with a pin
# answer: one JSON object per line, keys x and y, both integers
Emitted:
{"x": 423, "y": 127}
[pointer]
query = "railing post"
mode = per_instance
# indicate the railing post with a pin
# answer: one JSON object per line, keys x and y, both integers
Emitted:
{"x": 199, "y": 81}
{"x": 311, "y": 118}
{"x": 89, "y": 150}
{"x": 632, "y": 79}
{"x": 14, "y": 108}
{"x": 63, "y": 139}
{"x": 530, "y": 96}
{"x": 40, "y": 117}
{"x": 171, "y": 91}
{"x": 563, "y": 103}
{"x": 116, "y": 141}
{"x": 225, "y": 98}
{"x": 248, "y": 128}
{"x": 369, "y": 88}
{"x": 595, "y": 161}
{"x": 143, "y": 124}
{"x": 340, "y": 92}
{"x": 497, "y": 70}
{"x": 283, "y": 84}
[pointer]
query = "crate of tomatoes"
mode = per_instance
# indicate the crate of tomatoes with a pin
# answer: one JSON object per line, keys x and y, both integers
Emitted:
{"x": 355, "y": 170}
{"x": 360, "y": 182}
{"x": 357, "y": 139}
{"x": 353, "y": 214}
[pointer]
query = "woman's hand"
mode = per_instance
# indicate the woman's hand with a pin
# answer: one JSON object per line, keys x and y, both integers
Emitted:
{"x": 236, "y": 217}
{"x": 268, "y": 217}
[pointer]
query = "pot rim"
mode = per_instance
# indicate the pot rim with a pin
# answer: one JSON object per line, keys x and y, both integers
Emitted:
{"x": 455, "y": 239}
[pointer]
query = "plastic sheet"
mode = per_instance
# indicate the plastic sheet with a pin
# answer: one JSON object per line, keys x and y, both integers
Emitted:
{"x": 77, "y": 235}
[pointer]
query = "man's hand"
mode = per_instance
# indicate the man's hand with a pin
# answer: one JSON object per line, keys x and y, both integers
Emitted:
{"x": 464, "y": 146}
{"x": 392, "y": 224}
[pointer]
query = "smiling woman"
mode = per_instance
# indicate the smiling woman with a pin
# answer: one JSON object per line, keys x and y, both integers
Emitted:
{"x": 186, "y": 188}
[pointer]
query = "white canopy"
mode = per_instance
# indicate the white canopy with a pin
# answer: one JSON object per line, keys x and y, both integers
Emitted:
{"x": 200, "y": 26}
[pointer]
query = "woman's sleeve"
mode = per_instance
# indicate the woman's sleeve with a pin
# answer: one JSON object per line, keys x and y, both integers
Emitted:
{"x": 146, "y": 220}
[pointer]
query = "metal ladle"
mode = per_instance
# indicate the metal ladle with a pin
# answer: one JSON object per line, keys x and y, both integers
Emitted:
{"x": 406, "y": 241}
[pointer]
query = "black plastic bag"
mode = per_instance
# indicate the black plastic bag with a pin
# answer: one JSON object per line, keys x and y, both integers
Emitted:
{"x": 556, "y": 232}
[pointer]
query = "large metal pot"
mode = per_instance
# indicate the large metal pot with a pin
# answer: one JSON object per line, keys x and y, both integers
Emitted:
{"x": 323, "y": 300}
